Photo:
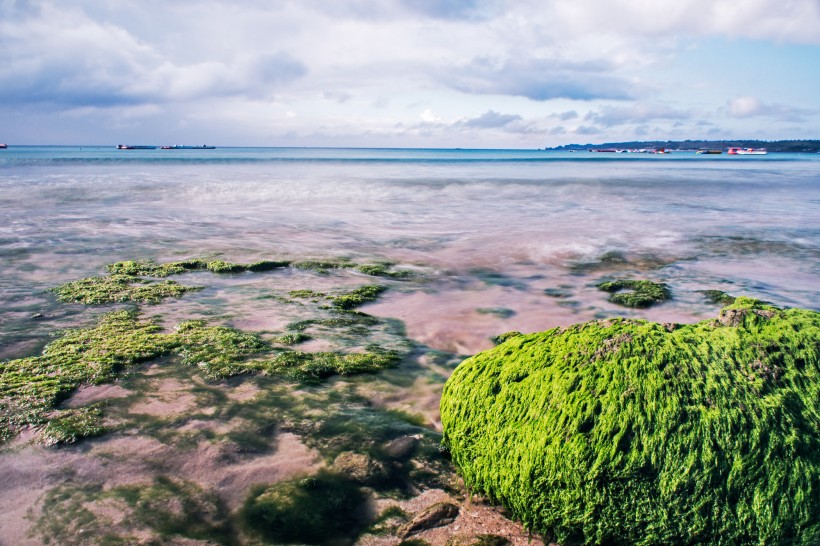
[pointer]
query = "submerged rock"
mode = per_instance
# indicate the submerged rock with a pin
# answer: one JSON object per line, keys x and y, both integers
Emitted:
{"x": 629, "y": 432}
{"x": 437, "y": 515}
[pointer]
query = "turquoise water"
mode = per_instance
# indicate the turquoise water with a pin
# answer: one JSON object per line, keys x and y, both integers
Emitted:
{"x": 491, "y": 229}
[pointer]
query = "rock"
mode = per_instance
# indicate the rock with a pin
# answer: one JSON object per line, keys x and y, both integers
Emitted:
{"x": 478, "y": 540}
{"x": 436, "y": 515}
{"x": 359, "y": 467}
{"x": 401, "y": 448}
{"x": 617, "y": 428}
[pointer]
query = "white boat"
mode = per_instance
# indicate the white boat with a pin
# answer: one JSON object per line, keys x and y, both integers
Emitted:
{"x": 747, "y": 151}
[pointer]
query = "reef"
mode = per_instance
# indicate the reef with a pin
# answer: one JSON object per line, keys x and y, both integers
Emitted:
{"x": 630, "y": 432}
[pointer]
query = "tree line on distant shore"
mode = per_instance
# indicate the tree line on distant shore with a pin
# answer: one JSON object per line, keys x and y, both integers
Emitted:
{"x": 788, "y": 146}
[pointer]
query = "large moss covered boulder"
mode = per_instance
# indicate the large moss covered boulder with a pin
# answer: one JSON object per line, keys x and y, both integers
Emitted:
{"x": 631, "y": 432}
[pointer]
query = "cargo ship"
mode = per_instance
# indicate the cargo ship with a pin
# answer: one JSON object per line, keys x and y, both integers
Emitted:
{"x": 179, "y": 147}
{"x": 132, "y": 147}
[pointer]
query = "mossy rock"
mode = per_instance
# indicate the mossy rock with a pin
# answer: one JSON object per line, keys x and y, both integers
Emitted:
{"x": 633, "y": 293}
{"x": 311, "y": 510}
{"x": 630, "y": 432}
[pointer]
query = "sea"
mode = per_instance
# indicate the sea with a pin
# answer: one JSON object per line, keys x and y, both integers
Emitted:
{"x": 485, "y": 241}
{"x": 505, "y": 239}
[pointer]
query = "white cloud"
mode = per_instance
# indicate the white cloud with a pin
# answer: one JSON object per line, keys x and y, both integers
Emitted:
{"x": 609, "y": 116}
{"x": 747, "y": 107}
{"x": 496, "y": 67}
{"x": 429, "y": 117}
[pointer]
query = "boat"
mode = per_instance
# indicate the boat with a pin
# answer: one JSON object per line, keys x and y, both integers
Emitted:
{"x": 747, "y": 151}
{"x": 132, "y": 147}
{"x": 605, "y": 150}
{"x": 709, "y": 152}
{"x": 179, "y": 147}
{"x": 3, "y": 146}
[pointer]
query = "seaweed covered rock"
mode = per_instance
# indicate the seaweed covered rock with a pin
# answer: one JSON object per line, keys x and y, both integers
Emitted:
{"x": 313, "y": 510}
{"x": 630, "y": 432}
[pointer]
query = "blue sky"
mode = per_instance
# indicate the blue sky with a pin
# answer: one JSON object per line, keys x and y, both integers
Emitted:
{"x": 416, "y": 73}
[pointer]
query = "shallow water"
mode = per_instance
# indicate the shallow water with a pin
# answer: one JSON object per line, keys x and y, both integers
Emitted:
{"x": 499, "y": 241}
{"x": 492, "y": 228}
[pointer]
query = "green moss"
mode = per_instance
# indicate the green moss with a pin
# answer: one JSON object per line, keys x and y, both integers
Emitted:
{"x": 307, "y": 294}
{"x": 148, "y": 268}
{"x": 501, "y": 338}
{"x": 220, "y": 266}
{"x": 718, "y": 297}
{"x": 31, "y": 386}
{"x": 384, "y": 270}
{"x": 632, "y": 293}
{"x": 68, "y": 426}
{"x": 314, "y": 366}
{"x": 322, "y": 266}
{"x": 218, "y": 351}
{"x": 293, "y": 338}
{"x": 357, "y": 297}
{"x": 119, "y": 288}
{"x": 309, "y": 510}
{"x": 267, "y": 265}
{"x": 626, "y": 431}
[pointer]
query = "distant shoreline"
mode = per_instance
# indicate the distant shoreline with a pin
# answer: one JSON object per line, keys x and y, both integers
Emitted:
{"x": 785, "y": 146}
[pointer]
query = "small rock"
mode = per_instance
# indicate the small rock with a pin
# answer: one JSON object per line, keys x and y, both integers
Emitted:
{"x": 401, "y": 448}
{"x": 437, "y": 515}
{"x": 360, "y": 468}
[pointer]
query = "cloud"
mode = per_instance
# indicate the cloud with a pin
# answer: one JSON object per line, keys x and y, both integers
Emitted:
{"x": 63, "y": 57}
{"x": 609, "y": 116}
{"x": 428, "y": 117}
{"x": 491, "y": 120}
{"x": 537, "y": 79}
{"x": 586, "y": 130}
{"x": 454, "y": 9}
{"x": 748, "y": 107}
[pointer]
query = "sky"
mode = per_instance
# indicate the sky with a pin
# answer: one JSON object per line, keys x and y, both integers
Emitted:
{"x": 407, "y": 73}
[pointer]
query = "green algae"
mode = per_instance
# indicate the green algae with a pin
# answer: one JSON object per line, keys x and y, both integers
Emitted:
{"x": 307, "y": 510}
{"x": 148, "y": 268}
{"x": 357, "y": 297}
{"x": 626, "y": 431}
{"x": 159, "y": 512}
{"x": 718, "y": 297}
{"x": 310, "y": 367}
{"x": 292, "y": 338}
{"x": 68, "y": 426}
{"x": 29, "y": 387}
{"x": 634, "y": 293}
{"x": 345, "y": 300}
{"x": 218, "y": 351}
{"x": 501, "y": 338}
{"x": 385, "y": 269}
{"x": 118, "y": 288}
